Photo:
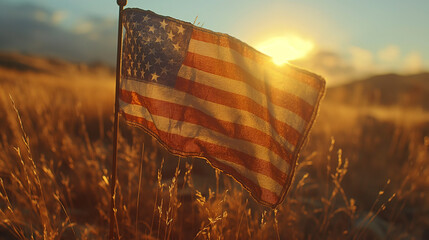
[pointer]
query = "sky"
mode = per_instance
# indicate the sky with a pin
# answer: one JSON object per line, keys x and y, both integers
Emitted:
{"x": 346, "y": 39}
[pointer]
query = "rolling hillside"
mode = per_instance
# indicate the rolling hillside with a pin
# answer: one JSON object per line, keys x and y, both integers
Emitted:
{"x": 410, "y": 91}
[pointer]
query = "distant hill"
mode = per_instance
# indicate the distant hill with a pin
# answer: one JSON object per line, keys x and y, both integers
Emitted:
{"x": 45, "y": 65}
{"x": 384, "y": 90}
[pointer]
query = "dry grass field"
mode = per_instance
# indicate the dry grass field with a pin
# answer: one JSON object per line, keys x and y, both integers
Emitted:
{"x": 363, "y": 174}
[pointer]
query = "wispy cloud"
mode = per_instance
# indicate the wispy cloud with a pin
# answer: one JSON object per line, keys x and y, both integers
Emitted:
{"x": 413, "y": 63}
{"x": 362, "y": 59}
{"x": 360, "y": 63}
{"x": 390, "y": 53}
{"x": 59, "y": 16}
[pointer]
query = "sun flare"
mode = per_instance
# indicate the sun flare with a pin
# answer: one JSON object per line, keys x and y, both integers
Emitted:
{"x": 285, "y": 48}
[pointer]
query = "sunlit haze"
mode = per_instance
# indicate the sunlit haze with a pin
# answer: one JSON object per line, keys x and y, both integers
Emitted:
{"x": 285, "y": 48}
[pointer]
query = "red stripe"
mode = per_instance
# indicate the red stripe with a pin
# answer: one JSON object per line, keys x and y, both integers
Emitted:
{"x": 248, "y": 52}
{"x": 257, "y": 191}
{"x": 239, "y": 102}
{"x": 232, "y": 71}
{"x": 194, "y": 147}
{"x": 191, "y": 115}
{"x": 230, "y": 42}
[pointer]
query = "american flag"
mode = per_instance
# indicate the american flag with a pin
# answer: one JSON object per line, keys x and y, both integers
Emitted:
{"x": 209, "y": 95}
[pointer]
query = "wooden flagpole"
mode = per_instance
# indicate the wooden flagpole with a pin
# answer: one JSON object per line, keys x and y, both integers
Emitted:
{"x": 121, "y": 4}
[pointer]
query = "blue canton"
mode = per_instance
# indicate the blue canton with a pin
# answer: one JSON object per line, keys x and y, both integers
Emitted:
{"x": 154, "y": 47}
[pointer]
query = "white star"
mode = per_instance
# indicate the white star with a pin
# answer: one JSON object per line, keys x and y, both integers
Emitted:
{"x": 143, "y": 56}
{"x": 158, "y": 60}
{"x": 129, "y": 71}
{"x": 129, "y": 56}
{"x": 142, "y": 73}
{"x": 132, "y": 15}
{"x": 148, "y": 66}
{"x": 152, "y": 51}
{"x": 158, "y": 39}
{"x": 135, "y": 72}
{"x": 170, "y": 35}
{"x": 155, "y": 77}
{"x": 163, "y": 70}
{"x": 171, "y": 61}
{"x": 163, "y": 24}
{"x": 180, "y": 29}
{"x": 176, "y": 46}
{"x": 145, "y": 18}
{"x": 139, "y": 65}
{"x": 132, "y": 64}
{"x": 152, "y": 29}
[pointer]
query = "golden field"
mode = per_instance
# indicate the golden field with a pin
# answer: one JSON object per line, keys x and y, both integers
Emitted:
{"x": 363, "y": 174}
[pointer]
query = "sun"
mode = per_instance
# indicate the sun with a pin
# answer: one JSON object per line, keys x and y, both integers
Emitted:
{"x": 285, "y": 48}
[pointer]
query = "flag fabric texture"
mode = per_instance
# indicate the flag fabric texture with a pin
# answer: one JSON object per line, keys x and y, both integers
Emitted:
{"x": 209, "y": 95}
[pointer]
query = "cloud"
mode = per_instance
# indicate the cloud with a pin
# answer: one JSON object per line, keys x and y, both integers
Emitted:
{"x": 389, "y": 54}
{"x": 59, "y": 16}
{"x": 40, "y": 16}
{"x": 332, "y": 66}
{"x": 362, "y": 59}
{"x": 83, "y": 27}
{"x": 413, "y": 63}
{"x": 32, "y": 29}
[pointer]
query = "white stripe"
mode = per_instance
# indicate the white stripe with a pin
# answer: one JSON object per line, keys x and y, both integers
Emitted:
{"x": 257, "y": 178}
{"x": 238, "y": 87}
{"x": 219, "y": 111}
{"x": 195, "y": 131}
{"x": 265, "y": 74}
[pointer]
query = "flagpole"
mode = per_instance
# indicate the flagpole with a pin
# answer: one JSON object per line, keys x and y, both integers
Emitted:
{"x": 121, "y": 4}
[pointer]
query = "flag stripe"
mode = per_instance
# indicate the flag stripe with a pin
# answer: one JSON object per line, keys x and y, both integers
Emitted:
{"x": 218, "y": 111}
{"x": 232, "y": 71}
{"x": 257, "y": 170}
{"x": 238, "y": 102}
{"x": 191, "y": 115}
{"x": 269, "y": 78}
{"x": 248, "y": 52}
{"x": 263, "y": 194}
{"x": 239, "y": 88}
{"x": 197, "y": 132}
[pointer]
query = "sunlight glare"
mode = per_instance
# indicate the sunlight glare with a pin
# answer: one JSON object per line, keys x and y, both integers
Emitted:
{"x": 285, "y": 48}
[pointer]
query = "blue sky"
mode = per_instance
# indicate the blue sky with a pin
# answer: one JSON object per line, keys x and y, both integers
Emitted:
{"x": 351, "y": 38}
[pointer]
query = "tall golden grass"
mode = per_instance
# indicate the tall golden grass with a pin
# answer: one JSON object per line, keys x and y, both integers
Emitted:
{"x": 359, "y": 176}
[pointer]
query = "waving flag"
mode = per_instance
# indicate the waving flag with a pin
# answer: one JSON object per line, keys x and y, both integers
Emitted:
{"x": 209, "y": 95}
